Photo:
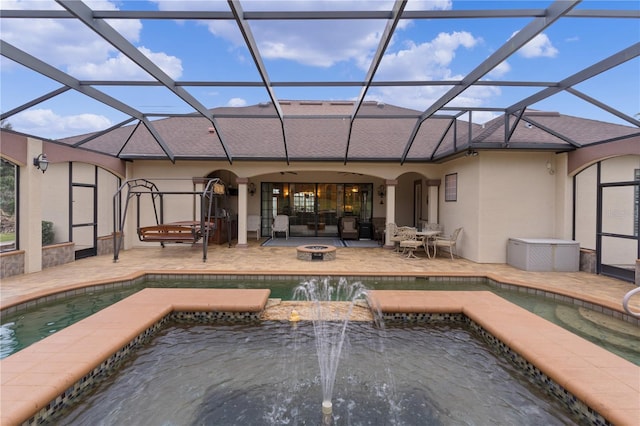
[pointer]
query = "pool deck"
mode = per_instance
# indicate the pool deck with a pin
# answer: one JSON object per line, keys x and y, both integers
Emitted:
{"x": 609, "y": 384}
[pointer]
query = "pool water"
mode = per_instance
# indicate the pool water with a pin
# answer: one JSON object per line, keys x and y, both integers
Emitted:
{"x": 617, "y": 336}
{"x": 268, "y": 374}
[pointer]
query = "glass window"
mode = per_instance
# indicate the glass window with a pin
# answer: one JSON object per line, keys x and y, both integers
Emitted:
{"x": 451, "y": 187}
{"x": 8, "y": 205}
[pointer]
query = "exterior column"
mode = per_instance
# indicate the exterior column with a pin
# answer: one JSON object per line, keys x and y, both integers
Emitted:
{"x": 31, "y": 209}
{"x": 391, "y": 209}
{"x": 242, "y": 212}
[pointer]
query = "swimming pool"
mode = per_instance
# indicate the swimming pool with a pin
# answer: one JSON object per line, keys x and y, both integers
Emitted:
{"x": 268, "y": 374}
{"x": 22, "y": 329}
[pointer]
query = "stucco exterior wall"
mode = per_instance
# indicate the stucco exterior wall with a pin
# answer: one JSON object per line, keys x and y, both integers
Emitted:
{"x": 258, "y": 172}
{"x": 500, "y": 195}
{"x": 563, "y": 220}
{"x": 518, "y": 199}
{"x": 108, "y": 184}
{"x": 464, "y": 211}
{"x": 586, "y": 193}
{"x": 30, "y": 210}
{"x": 46, "y": 196}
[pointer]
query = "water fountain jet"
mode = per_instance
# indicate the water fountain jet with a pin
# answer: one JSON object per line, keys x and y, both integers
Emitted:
{"x": 329, "y": 327}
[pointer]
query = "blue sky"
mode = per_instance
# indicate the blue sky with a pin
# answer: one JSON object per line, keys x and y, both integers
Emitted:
{"x": 312, "y": 51}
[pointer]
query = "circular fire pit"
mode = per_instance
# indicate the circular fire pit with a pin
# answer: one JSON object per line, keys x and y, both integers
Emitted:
{"x": 316, "y": 252}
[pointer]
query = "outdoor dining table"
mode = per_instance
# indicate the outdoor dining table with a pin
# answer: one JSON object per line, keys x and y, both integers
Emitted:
{"x": 426, "y": 236}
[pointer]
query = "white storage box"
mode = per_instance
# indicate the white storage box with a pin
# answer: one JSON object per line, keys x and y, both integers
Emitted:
{"x": 543, "y": 254}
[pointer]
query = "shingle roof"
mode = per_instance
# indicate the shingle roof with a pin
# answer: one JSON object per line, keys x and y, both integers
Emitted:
{"x": 319, "y": 130}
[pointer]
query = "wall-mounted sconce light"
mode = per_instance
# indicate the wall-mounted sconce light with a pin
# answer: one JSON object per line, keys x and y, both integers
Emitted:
{"x": 41, "y": 162}
{"x": 550, "y": 168}
{"x": 251, "y": 188}
{"x": 471, "y": 153}
{"x": 381, "y": 193}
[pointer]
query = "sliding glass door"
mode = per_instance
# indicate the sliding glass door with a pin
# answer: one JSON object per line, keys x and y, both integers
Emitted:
{"x": 314, "y": 209}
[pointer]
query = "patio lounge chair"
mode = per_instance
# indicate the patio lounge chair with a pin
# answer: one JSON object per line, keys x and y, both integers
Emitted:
{"x": 280, "y": 224}
{"x": 253, "y": 224}
{"x": 447, "y": 241}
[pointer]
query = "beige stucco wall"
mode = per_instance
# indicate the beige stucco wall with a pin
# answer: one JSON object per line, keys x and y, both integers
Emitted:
{"x": 107, "y": 186}
{"x": 501, "y": 195}
{"x": 30, "y": 211}
{"x": 563, "y": 221}
{"x": 464, "y": 211}
{"x": 257, "y": 172}
{"x": 586, "y": 193}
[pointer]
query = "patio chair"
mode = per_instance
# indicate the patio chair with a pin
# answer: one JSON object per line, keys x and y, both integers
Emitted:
{"x": 395, "y": 235}
{"x": 392, "y": 230}
{"x": 349, "y": 228}
{"x": 410, "y": 242}
{"x": 447, "y": 241}
{"x": 280, "y": 224}
{"x": 253, "y": 224}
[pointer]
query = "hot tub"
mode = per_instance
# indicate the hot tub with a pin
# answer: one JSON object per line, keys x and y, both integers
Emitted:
{"x": 544, "y": 254}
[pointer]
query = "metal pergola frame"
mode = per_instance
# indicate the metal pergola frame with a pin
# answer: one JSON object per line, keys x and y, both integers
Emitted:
{"x": 540, "y": 20}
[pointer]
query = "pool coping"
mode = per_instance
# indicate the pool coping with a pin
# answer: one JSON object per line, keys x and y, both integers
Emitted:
{"x": 41, "y": 374}
{"x": 19, "y": 303}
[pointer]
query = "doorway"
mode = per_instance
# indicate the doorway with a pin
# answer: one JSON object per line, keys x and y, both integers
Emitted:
{"x": 618, "y": 243}
{"x": 84, "y": 220}
{"x": 314, "y": 209}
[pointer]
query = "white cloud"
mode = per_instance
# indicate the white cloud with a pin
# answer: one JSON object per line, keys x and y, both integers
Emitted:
{"x": 426, "y": 61}
{"x": 420, "y": 98}
{"x": 500, "y": 70}
{"x": 539, "y": 46}
{"x": 432, "y": 61}
{"x": 46, "y": 122}
{"x": 323, "y": 43}
{"x": 317, "y": 43}
{"x": 480, "y": 117}
{"x": 122, "y": 68}
{"x": 429, "y": 5}
{"x": 237, "y": 102}
{"x": 74, "y": 48}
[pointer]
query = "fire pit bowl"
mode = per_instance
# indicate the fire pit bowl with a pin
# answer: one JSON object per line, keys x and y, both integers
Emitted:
{"x": 316, "y": 252}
